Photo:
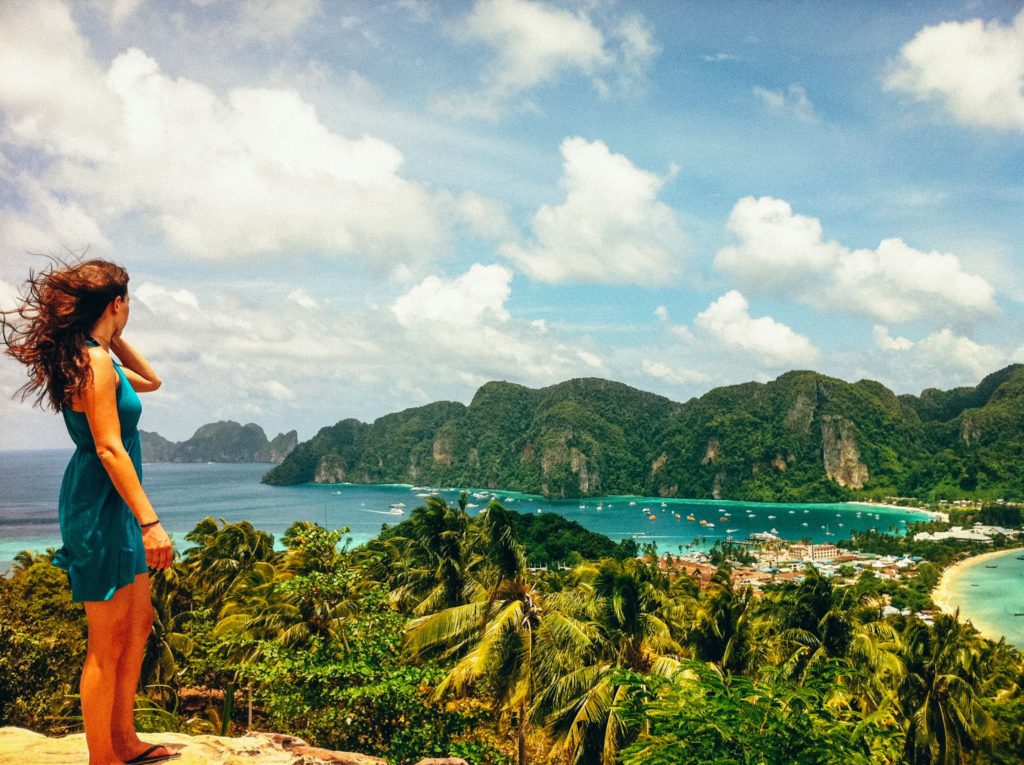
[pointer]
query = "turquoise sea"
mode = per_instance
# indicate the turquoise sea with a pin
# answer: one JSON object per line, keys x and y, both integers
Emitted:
{"x": 990, "y": 593}
{"x": 185, "y": 494}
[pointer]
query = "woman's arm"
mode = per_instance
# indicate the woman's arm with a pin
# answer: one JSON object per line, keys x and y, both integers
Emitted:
{"x": 99, "y": 402}
{"x": 138, "y": 371}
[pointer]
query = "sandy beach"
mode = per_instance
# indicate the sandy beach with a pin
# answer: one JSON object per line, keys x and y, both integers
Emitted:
{"x": 936, "y": 514}
{"x": 942, "y": 594}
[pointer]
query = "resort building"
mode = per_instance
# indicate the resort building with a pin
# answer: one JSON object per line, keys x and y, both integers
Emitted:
{"x": 957, "y": 532}
{"x": 810, "y": 552}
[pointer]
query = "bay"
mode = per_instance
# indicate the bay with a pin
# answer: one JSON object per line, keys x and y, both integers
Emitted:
{"x": 990, "y": 592}
{"x": 184, "y": 494}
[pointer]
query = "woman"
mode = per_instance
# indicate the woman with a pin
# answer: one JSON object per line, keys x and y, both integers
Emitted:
{"x": 69, "y": 321}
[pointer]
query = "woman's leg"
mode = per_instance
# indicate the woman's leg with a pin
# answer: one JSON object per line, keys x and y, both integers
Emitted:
{"x": 140, "y": 625}
{"x": 108, "y": 635}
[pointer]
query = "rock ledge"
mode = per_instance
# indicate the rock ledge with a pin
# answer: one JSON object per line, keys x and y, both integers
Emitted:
{"x": 19, "y": 746}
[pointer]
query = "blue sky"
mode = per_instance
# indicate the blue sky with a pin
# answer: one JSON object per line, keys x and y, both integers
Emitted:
{"x": 343, "y": 209}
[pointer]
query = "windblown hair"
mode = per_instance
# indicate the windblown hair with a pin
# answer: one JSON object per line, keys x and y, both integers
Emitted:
{"x": 48, "y": 329}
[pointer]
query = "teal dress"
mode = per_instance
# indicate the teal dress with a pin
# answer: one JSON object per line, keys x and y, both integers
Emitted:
{"x": 103, "y": 548}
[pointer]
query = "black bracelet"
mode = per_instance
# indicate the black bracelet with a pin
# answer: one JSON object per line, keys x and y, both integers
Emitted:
{"x": 147, "y": 525}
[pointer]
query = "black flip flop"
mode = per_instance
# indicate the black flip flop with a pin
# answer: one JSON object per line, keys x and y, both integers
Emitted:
{"x": 148, "y": 757}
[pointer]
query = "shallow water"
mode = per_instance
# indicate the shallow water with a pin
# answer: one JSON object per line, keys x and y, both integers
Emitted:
{"x": 991, "y": 593}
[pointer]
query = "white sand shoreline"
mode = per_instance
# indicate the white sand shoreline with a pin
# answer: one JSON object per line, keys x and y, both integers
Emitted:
{"x": 935, "y": 514}
{"x": 943, "y": 597}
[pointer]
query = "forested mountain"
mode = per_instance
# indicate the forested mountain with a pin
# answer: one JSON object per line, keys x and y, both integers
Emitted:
{"x": 801, "y": 437}
{"x": 225, "y": 441}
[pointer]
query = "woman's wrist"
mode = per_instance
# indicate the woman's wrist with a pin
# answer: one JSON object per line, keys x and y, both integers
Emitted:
{"x": 147, "y": 525}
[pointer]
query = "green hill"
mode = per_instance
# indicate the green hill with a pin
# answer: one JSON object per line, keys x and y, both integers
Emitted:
{"x": 801, "y": 437}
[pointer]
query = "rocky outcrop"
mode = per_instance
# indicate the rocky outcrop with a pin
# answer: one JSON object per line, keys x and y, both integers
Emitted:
{"x": 442, "y": 450}
{"x": 840, "y": 453}
{"x": 19, "y": 746}
{"x": 330, "y": 469}
{"x": 225, "y": 441}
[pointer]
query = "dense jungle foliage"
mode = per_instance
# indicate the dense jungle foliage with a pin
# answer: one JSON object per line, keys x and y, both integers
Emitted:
{"x": 803, "y": 437}
{"x": 437, "y": 639}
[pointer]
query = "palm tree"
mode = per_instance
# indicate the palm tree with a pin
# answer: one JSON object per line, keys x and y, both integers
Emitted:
{"x": 429, "y": 566}
{"x": 221, "y": 553}
{"x": 613, "y": 620}
{"x": 720, "y": 623}
{"x": 942, "y": 708}
{"x": 494, "y": 634}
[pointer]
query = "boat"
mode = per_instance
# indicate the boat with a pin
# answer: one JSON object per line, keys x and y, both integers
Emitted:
{"x": 1018, "y": 613}
{"x": 690, "y": 518}
{"x": 652, "y": 517}
{"x": 710, "y": 525}
{"x": 774, "y": 530}
{"x": 771, "y": 517}
{"x": 678, "y": 516}
{"x": 724, "y": 519}
{"x": 730, "y": 531}
{"x": 991, "y": 566}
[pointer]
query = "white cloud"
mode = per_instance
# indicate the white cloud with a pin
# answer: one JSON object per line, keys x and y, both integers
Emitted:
{"x": 301, "y": 297}
{"x": 465, "y": 301}
{"x": 463, "y": 324}
{"x": 279, "y": 391}
{"x": 728, "y": 321}
{"x": 975, "y": 68}
{"x": 793, "y": 102}
{"x": 486, "y": 217}
{"x": 673, "y": 375}
{"x": 636, "y": 51}
{"x": 887, "y": 342}
{"x": 117, "y": 11}
{"x": 785, "y": 253}
{"x": 661, "y": 312}
{"x": 52, "y": 94}
{"x": 898, "y": 283}
{"x": 253, "y": 172}
{"x": 270, "y": 20}
{"x": 9, "y": 296}
{"x": 777, "y": 249}
{"x": 944, "y": 355}
{"x": 611, "y": 228}
{"x": 534, "y": 43}
{"x": 163, "y": 301}
{"x": 45, "y": 223}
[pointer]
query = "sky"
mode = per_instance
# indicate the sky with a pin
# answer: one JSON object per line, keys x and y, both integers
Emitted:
{"x": 337, "y": 209}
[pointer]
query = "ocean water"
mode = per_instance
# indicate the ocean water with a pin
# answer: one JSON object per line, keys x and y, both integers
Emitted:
{"x": 185, "y": 494}
{"x": 990, "y": 593}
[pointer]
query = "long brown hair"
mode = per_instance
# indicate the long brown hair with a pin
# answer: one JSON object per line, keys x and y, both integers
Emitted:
{"x": 48, "y": 329}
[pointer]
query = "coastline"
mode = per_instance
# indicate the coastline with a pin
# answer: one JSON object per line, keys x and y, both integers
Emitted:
{"x": 937, "y": 515}
{"x": 942, "y": 595}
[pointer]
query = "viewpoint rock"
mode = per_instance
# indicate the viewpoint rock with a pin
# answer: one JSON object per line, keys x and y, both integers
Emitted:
{"x": 19, "y": 746}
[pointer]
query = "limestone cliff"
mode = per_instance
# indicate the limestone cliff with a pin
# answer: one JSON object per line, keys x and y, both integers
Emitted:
{"x": 840, "y": 453}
